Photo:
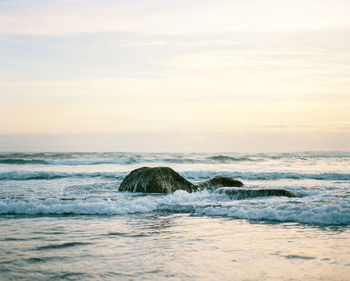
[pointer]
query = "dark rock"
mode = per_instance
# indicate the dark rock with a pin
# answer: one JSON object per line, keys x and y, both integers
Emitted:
{"x": 166, "y": 180}
{"x": 219, "y": 181}
{"x": 252, "y": 193}
{"x": 155, "y": 180}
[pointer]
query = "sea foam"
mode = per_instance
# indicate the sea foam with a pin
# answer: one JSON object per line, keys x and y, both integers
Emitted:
{"x": 198, "y": 203}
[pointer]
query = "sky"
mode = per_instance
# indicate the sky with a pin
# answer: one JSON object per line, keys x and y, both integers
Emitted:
{"x": 160, "y": 75}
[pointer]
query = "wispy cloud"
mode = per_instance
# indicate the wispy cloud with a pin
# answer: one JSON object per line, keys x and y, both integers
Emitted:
{"x": 100, "y": 66}
{"x": 164, "y": 17}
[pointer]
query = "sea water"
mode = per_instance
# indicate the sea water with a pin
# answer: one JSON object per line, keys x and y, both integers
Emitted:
{"x": 62, "y": 218}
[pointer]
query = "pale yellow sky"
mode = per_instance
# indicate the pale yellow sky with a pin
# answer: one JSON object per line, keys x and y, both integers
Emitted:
{"x": 243, "y": 70}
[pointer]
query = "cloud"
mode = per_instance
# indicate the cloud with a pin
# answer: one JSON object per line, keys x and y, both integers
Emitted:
{"x": 100, "y": 66}
{"x": 169, "y": 17}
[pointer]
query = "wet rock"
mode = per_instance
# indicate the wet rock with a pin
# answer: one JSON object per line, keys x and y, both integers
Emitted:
{"x": 252, "y": 193}
{"x": 155, "y": 180}
{"x": 219, "y": 181}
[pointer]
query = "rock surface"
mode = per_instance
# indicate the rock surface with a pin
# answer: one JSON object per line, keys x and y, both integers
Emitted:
{"x": 219, "y": 181}
{"x": 155, "y": 180}
{"x": 252, "y": 193}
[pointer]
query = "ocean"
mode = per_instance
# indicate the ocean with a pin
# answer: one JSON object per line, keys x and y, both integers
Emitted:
{"x": 62, "y": 218}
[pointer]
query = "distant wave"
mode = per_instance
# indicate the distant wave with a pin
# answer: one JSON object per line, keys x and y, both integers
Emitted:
{"x": 281, "y": 209}
{"x": 226, "y": 159}
{"x": 73, "y": 162}
{"x": 105, "y": 158}
{"x": 304, "y": 155}
{"x": 190, "y": 175}
{"x": 67, "y": 158}
{"x": 201, "y": 175}
{"x": 44, "y": 155}
{"x": 177, "y": 160}
{"x": 122, "y": 160}
{"x": 21, "y": 175}
{"x": 21, "y": 161}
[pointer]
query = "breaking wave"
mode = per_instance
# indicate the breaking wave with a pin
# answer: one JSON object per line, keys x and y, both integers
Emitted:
{"x": 281, "y": 209}
{"x": 20, "y": 161}
{"x": 73, "y": 162}
{"x": 228, "y": 159}
{"x": 96, "y": 158}
{"x": 190, "y": 175}
{"x": 201, "y": 175}
{"x": 38, "y": 159}
{"x": 43, "y": 175}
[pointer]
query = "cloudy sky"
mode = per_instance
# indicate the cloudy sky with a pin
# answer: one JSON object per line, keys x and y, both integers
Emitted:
{"x": 160, "y": 75}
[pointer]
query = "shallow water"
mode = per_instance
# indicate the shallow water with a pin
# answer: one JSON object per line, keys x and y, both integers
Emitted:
{"x": 62, "y": 217}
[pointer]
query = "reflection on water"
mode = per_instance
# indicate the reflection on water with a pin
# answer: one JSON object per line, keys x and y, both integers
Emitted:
{"x": 175, "y": 247}
{"x": 62, "y": 217}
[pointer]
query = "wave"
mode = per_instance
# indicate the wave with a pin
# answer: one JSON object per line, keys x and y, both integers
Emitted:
{"x": 107, "y": 158}
{"x": 228, "y": 159}
{"x": 24, "y": 175}
{"x": 190, "y": 175}
{"x": 303, "y": 155}
{"x": 281, "y": 209}
{"x": 20, "y": 161}
{"x": 24, "y": 161}
{"x": 122, "y": 160}
{"x": 202, "y": 175}
{"x": 60, "y": 246}
{"x": 313, "y": 216}
{"x": 46, "y": 155}
{"x": 76, "y": 158}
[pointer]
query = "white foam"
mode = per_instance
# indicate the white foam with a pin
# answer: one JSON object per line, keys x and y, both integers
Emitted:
{"x": 78, "y": 207}
{"x": 199, "y": 175}
{"x": 123, "y": 205}
{"x": 283, "y": 211}
{"x": 303, "y": 210}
